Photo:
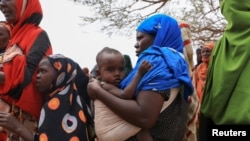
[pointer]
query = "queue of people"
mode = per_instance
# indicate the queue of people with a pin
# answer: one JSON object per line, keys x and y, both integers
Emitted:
{"x": 164, "y": 97}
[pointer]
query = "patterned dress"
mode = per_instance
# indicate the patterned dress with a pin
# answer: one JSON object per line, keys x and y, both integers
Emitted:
{"x": 65, "y": 115}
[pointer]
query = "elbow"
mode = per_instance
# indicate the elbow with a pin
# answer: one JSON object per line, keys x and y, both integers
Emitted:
{"x": 147, "y": 123}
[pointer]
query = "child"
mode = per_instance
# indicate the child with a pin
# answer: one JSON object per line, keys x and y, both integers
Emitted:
{"x": 111, "y": 71}
{"x": 64, "y": 116}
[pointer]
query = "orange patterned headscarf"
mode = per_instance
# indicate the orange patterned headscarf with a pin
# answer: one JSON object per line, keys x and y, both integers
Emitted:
{"x": 209, "y": 45}
{"x": 201, "y": 72}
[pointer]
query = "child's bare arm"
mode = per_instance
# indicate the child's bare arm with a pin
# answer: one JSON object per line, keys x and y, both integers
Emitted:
{"x": 129, "y": 91}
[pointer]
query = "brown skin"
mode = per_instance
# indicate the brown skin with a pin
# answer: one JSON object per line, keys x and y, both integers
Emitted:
{"x": 4, "y": 40}
{"x": 86, "y": 71}
{"x": 10, "y": 123}
{"x": 45, "y": 76}
{"x": 143, "y": 41}
{"x": 111, "y": 68}
{"x": 4, "y": 37}
{"x": 206, "y": 52}
{"x": 198, "y": 56}
{"x": 8, "y": 8}
{"x": 137, "y": 112}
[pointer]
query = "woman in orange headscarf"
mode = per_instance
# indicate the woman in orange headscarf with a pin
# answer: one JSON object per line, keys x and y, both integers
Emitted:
{"x": 200, "y": 73}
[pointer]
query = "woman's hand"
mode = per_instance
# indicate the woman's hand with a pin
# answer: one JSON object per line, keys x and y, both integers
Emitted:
{"x": 93, "y": 87}
{"x": 9, "y": 122}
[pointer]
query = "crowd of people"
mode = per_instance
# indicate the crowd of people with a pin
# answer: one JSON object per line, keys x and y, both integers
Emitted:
{"x": 163, "y": 97}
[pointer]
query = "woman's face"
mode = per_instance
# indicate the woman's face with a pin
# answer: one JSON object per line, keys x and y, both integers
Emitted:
{"x": 143, "y": 41}
{"x": 8, "y": 8}
{"x": 46, "y": 75}
{"x": 205, "y": 52}
{"x": 4, "y": 37}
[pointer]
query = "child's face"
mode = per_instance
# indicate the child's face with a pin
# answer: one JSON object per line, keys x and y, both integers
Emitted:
{"x": 46, "y": 75}
{"x": 112, "y": 68}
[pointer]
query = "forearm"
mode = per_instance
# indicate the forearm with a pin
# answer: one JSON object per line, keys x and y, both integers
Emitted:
{"x": 138, "y": 112}
{"x": 112, "y": 89}
{"x": 116, "y": 104}
{"x": 130, "y": 89}
{"x": 25, "y": 133}
{"x": 11, "y": 124}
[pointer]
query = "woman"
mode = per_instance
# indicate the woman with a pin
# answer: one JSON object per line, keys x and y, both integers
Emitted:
{"x": 200, "y": 73}
{"x": 159, "y": 42}
{"x": 64, "y": 115}
{"x": 200, "y": 76}
{"x": 226, "y": 96}
{"x": 28, "y": 45}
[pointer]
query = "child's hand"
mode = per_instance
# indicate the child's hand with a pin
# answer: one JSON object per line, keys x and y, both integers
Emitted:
{"x": 144, "y": 67}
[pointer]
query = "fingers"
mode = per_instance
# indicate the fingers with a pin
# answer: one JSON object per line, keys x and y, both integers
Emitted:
{"x": 4, "y": 114}
{"x": 145, "y": 64}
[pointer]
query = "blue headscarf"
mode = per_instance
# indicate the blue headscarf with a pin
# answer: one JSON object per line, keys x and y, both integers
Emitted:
{"x": 169, "y": 69}
{"x": 165, "y": 29}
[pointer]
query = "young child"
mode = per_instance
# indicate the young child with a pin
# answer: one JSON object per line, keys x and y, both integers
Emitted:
{"x": 64, "y": 116}
{"x": 111, "y": 71}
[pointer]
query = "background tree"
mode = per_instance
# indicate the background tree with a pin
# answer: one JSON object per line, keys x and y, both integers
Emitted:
{"x": 120, "y": 16}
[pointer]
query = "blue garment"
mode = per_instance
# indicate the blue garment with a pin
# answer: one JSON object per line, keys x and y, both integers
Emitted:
{"x": 165, "y": 29}
{"x": 169, "y": 69}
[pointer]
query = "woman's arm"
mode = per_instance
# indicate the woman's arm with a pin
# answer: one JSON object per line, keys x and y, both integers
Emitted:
{"x": 10, "y": 123}
{"x": 142, "y": 112}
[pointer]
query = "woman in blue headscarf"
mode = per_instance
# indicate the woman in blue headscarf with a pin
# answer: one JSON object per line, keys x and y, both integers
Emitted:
{"x": 159, "y": 42}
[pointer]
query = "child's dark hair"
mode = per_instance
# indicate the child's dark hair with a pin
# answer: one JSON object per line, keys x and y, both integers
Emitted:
{"x": 107, "y": 50}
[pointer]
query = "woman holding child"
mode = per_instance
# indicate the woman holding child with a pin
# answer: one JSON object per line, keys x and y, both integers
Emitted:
{"x": 160, "y": 100}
